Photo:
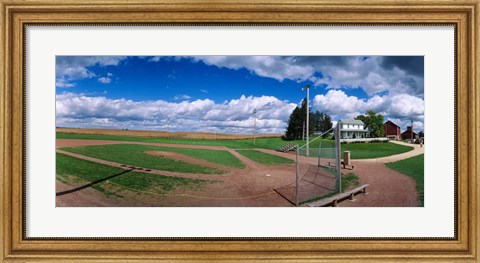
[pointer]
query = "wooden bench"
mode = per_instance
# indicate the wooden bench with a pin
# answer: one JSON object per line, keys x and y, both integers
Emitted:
{"x": 333, "y": 201}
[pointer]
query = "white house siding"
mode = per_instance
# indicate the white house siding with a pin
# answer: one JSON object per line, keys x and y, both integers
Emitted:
{"x": 350, "y": 134}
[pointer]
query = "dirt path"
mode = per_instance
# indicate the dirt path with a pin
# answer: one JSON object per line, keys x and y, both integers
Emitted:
{"x": 249, "y": 163}
{"x": 388, "y": 188}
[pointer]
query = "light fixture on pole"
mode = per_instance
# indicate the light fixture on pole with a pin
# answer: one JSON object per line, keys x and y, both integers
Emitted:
{"x": 254, "y": 112}
{"x": 308, "y": 113}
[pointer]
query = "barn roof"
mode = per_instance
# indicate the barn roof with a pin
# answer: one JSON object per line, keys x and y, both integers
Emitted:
{"x": 408, "y": 131}
{"x": 391, "y": 123}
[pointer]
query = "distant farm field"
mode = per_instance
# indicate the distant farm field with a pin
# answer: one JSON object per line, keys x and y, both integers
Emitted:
{"x": 165, "y": 134}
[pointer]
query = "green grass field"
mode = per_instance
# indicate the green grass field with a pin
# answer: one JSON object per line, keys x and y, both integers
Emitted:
{"x": 73, "y": 170}
{"x": 374, "y": 150}
{"x": 267, "y": 143}
{"x": 213, "y": 156}
{"x": 133, "y": 154}
{"x": 349, "y": 181}
{"x": 264, "y": 158}
{"x": 358, "y": 150}
{"x": 414, "y": 167}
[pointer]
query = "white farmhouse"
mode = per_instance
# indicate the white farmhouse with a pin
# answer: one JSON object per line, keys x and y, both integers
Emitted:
{"x": 353, "y": 129}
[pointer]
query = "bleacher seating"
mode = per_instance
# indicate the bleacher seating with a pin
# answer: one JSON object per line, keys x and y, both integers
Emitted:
{"x": 287, "y": 148}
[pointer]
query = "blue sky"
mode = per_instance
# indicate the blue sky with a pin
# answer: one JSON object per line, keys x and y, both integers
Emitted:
{"x": 218, "y": 93}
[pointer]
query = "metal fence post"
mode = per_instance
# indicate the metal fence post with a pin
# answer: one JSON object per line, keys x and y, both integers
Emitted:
{"x": 337, "y": 157}
{"x": 319, "y": 152}
{"x": 297, "y": 176}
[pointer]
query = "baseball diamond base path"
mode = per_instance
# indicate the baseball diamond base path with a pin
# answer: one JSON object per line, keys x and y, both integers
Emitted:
{"x": 252, "y": 186}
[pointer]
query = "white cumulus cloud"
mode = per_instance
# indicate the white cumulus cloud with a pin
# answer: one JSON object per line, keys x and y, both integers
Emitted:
{"x": 71, "y": 68}
{"x": 401, "y": 108}
{"x": 234, "y": 116}
{"x": 182, "y": 97}
{"x": 104, "y": 80}
{"x": 374, "y": 75}
{"x": 264, "y": 66}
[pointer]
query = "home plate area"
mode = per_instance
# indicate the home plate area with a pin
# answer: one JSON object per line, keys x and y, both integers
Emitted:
{"x": 315, "y": 183}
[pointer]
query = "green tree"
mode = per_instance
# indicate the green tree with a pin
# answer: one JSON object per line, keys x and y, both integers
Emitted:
{"x": 322, "y": 122}
{"x": 296, "y": 122}
{"x": 294, "y": 129}
{"x": 421, "y": 134}
{"x": 373, "y": 122}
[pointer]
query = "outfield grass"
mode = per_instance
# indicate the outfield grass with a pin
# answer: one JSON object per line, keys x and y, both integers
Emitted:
{"x": 358, "y": 150}
{"x": 133, "y": 154}
{"x": 74, "y": 170}
{"x": 266, "y": 143}
{"x": 264, "y": 158}
{"x": 374, "y": 150}
{"x": 414, "y": 167}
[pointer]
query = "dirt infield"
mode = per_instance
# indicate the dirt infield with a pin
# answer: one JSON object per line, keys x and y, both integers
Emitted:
{"x": 252, "y": 186}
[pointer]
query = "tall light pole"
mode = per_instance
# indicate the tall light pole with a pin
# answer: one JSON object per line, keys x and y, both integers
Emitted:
{"x": 254, "y": 112}
{"x": 308, "y": 113}
{"x": 412, "y": 130}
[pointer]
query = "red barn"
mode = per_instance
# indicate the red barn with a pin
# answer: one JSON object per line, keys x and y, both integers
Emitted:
{"x": 391, "y": 130}
{"x": 407, "y": 135}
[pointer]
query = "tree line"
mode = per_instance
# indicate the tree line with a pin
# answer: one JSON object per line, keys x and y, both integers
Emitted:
{"x": 321, "y": 122}
{"x": 318, "y": 122}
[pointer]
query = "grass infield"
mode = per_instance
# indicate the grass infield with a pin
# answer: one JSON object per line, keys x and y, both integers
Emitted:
{"x": 264, "y": 158}
{"x": 213, "y": 156}
{"x": 134, "y": 154}
{"x": 71, "y": 170}
{"x": 414, "y": 167}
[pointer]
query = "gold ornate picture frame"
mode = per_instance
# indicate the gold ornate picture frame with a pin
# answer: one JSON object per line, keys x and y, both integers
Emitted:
{"x": 16, "y": 15}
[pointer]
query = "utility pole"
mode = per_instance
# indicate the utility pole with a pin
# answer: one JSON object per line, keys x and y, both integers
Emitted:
{"x": 303, "y": 131}
{"x": 412, "y": 130}
{"x": 254, "y": 112}
{"x": 308, "y": 113}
